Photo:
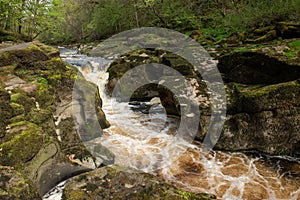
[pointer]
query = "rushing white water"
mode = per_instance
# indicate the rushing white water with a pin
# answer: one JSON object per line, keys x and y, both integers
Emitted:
{"x": 147, "y": 142}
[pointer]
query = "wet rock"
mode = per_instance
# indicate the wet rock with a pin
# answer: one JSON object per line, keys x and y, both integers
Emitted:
{"x": 290, "y": 29}
{"x": 129, "y": 61}
{"x": 257, "y": 67}
{"x": 263, "y": 99}
{"x": 14, "y": 186}
{"x": 38, "y": 135}
{"x": 123, "y": 183}
{"x": 265, "y": 118}
{"x": 162, "y": 80}
{"x": 262, "y": 94}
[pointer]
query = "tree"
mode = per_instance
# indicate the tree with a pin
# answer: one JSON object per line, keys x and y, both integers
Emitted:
{"x": 27, "y": 17}
{"x": 113, "y": 16}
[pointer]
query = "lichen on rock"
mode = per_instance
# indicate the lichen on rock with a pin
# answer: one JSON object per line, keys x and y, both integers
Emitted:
{"x": 38, "y": 133}
{"x": 124, "y": 183}
{"x": 15, "y": 186}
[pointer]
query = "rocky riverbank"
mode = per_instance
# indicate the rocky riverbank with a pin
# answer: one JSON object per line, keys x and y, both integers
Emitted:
{"x": 41, "y": 144}
{"x": 38, "y": 134}
{"x": 262, "y": 86}
{"x": 124, "y": 183}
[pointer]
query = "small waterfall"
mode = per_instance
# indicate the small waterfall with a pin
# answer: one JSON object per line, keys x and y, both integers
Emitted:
{"x": 147, "y": 142}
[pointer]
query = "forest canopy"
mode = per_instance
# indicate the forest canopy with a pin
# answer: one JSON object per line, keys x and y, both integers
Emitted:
{"x": 67, "y": 21}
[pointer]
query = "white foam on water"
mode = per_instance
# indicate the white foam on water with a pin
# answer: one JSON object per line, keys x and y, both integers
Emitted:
{"x": 148, "y": 142}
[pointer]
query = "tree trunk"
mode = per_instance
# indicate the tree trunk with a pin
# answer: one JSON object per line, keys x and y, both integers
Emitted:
{"x": 19, "y": 27}
{"x": 136, "y": 15}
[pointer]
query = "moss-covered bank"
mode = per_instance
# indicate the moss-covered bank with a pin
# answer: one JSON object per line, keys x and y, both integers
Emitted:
{"x": 38, "y": 134}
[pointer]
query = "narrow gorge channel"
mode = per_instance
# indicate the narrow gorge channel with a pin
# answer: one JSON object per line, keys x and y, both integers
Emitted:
{"x": 146, "y": 141}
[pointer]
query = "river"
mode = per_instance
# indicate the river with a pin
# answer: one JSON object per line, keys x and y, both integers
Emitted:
{"x": 147, "y": 142}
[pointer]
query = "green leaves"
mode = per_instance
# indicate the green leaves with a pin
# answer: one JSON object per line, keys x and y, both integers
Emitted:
{"x": 87, "y": 20}
{"x": 27, "y": 17}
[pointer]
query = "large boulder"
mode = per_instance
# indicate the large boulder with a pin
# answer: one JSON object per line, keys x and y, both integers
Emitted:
{"x": 264, "y": 118}
{"x": 40, "y": 136}
{"x": 124, "y": 183}
{"x": 262, "y": 64}
{"x": 263, "y": 98}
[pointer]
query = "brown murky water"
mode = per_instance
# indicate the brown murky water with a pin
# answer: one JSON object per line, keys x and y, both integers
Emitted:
{"x": 147, "y": 142}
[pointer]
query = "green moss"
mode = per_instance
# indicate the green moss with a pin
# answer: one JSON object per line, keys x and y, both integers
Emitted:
{"x": 90, "y": 187}
{"x": 215, "y": 34}
{"x": 117, "y": 70}
{"x": 23, "y": 73}
{"x": 22, "y": 147}
{"x": 15, "y": 185}
{"x": 5, "y": 110}
{"x": 5, "y": 71}
{"x": 45, "y": 96}
{"x": 295, "y": 44}
{"x": 19, "y": 186}
{"x": 259, "y": 90}
{"x": 22, "y": 56}
{"x": 4, "y": 58}
{"x": 184, "y": 195}
{"x": 294, "y": 51}
{"x": 17, "y": 109}
{"x": 191, "y": 196}
{"x": 17, "y": 118}
{"x": 49, "y": 50}
{"x": 258, "y": 98}
{"x": 31, "y": 48}
{"x": 39, "y": 116}
{"x": 23, "y": 100}
{"x": 20, "y": 123}
{"x": 76, "y": 195}
{"x": 251, "y": 47}
{"x": 42, "y": 80}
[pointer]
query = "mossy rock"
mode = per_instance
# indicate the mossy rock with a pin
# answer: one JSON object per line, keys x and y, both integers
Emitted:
{"x": 257, "y": 98}
{"x": 124, "y": 183}
{"x": 256, "y": 67}
{"x": 144, "y": 66}
{"x": 38, "y": 116}
{"x": 22, "y": 54}
{"x": 38, "y": 132}
{"x": 8, "y": 36}
{"x": 17, "y": 109}
{"x": 273, "y": 132}
{"x": 25, "y": 144}
{"x": 129, "y": 61}
{"x": 269, "y": 36}
{"x": 24, "y": 100}
{"x": 15, "y": 186}
{"x": 262, "y": 117}
{"x": 71, "y": 142}
{"x": 179, "y": 64}
{"x": 289, "y": 29}
{"x": 49, "y": 50}
{"x": 5, "y": 110}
